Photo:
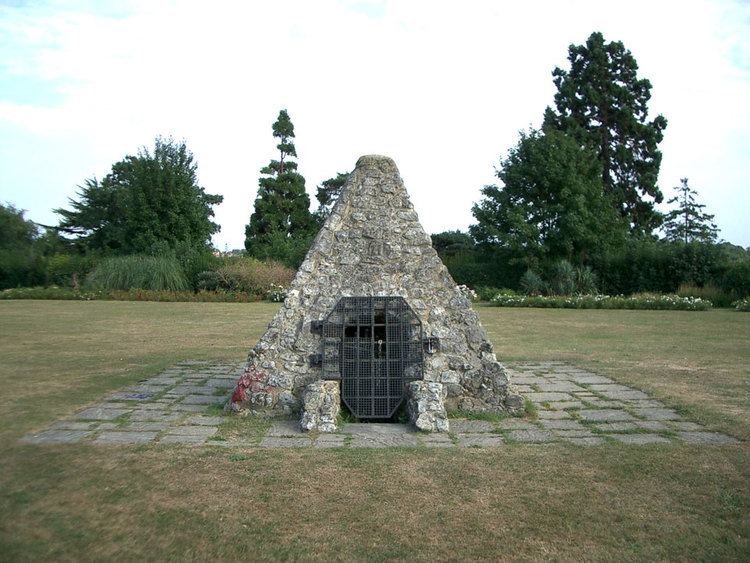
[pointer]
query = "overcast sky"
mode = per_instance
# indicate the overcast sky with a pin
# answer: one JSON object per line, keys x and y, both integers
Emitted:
{"x": 441, "y": 87}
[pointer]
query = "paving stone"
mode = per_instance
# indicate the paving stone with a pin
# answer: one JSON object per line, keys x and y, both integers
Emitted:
{"x": 651, "y": 425}
{"x": 552, "y": 415}
{"x": 99, "y": 413}
{"x": 72, "y": 425}
{"x": 706, "y": 438}
{"x": 151, "y": 407}
{"x": 206, "y": 420}
{"x": 155, "y": 416}
{"x": 112, "y": 437}
{"x": 130, "y": 396}
{"x": 144, "y": 427}
{"x": 377, "y": 429}
{"x": 516, "y": 424}
{"x": 604, "y": 415}
{"x": 596, "y": 403}
{"x": 285, "y": 428}
{"x": 523, "y": 389}
{"x": 562, "y": 424}
{"x": 276, "y": 442}
{"x": 657, "y": 414}
{"x": 616, "y": 426}
{"x": 565, "y": 405}
{"x": 562, "y": 386}
{"x": 531, "y": 435}
{"x": 646, "y": 404}
{"x": 474, "y": 440}
{"x": 183, "y": 439}
{"x": 462, "y": 425}
{"x": 56, "y": 437}
{"x": 526, "y": 380}
{"x": 163, "y": 381}
{"x": 631, "y": 395}
{"x": 687, "y": 426}
{"x": 193, "y": 430}
{"x": 200, "y": 400}
{"x": 609, "y": 388}
{"x": 582, "y": 433}
{"x": 327, "y": 445}
{"x": 589, "y": 379}
{"x": 640, "y": 438}
{"x": 547, "y": 397}
{"x": 190, "y": 408}
{"x": 586, "y": 441}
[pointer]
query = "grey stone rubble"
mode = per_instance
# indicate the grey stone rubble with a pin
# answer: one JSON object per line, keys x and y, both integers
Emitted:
{"x": 426, "y": 407}
{"x": 372, "y": 245}
{"x": 321, "y": 404}
{"x": 156, "y": 420}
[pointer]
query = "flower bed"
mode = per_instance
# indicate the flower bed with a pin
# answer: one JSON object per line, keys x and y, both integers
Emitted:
{"x": 641, "y": 301}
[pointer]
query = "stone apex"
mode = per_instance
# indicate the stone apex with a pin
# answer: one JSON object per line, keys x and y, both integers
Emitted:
{"x": 383, "y": 163}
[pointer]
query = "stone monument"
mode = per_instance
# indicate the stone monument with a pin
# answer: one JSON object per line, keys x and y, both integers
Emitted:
{"x": 374, "y": 309}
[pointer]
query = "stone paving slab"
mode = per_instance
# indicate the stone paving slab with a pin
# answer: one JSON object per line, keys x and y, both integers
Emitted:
{"x": 114, "y": 438}
{"x": 573, "y": 405}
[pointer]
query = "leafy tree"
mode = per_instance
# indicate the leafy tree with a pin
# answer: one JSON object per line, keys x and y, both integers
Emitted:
{"x": 551, "y": 205}
{"x": 328, "y": 192}
{"x": 19, "y": 261}
{"x": 601, "y": 102}
{"x": 688, "y": 223}
{"x": 281, "y": 226}
{"x": 148, "y": 203}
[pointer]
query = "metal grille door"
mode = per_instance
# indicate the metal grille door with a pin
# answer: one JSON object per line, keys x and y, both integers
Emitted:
{"x": 374, "y": 346}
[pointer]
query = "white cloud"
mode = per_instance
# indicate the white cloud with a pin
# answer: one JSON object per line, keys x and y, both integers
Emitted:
{"x": 442, "y": 87}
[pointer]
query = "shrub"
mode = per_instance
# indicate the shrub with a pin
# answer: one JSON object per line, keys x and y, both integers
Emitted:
{"x": 209, "y": 280}
{"x": 710, "y": 292}
{"x": 585, "y": 279}
{"x": 531, "y": 283}
{"x": 51, "y": 292}
{"x": 68, "y": 269}
{"x": 486, "y": 293}
{"x": 742, "y": 305}
{"x": 736, "y": 279}
{"x": 640, "y": 301}
{"x": 139, "y": 272}
{"x": 276, "y": 293}
{"x": 253, "y": 276}
{"x": 562, "y": 278}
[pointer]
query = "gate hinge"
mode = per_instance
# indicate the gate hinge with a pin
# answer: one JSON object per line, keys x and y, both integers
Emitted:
{"x": 316, "y": 327}
{"x": 316, "y": 360}
{"x": 431, "y": 344}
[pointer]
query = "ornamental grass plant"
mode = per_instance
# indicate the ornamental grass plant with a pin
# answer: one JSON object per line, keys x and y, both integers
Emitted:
{"x": 158, "y": 273}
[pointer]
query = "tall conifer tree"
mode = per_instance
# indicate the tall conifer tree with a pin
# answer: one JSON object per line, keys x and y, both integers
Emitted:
{"x": 281, "y": 225}
{"x": 687, "y": 223}
{"x": 601, "y": 102}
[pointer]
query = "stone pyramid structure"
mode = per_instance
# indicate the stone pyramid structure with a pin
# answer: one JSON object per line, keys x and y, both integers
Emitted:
{"x": 373, "y": 246}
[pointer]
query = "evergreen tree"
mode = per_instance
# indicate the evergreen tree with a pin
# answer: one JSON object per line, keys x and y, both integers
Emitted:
{"x": 148, "y": 203}
{"x": 687, "y": 223}
{"x": 601, "y": 102}
{"x": 551, "y": 205}
{"x": 328, "y": 192}
{"x": 281, "y": 226}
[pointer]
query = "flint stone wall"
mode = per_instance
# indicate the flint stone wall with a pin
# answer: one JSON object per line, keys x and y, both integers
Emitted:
{"x": 373, "y": 245}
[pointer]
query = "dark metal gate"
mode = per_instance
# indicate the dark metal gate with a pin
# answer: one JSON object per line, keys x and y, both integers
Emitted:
{"x": 374, "y": 346}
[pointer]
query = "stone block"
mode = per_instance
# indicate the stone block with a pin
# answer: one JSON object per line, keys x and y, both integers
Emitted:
{"x": 321, "y": 404}
{"x": 605, "y": 415}
{"x": 463, "y": 425}
{"x": 536, "y": 435}
{"x": 426, "y": 407}
{"x": 118, "y": 438}
{"x": 101, "y": 413}
{"x": 706, "y": 438}
{"x": 472, "y": 440}
{"x": 640, "y": 438}
{"x": 55, "y": 437}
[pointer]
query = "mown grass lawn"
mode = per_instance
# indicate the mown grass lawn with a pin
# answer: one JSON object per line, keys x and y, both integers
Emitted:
{"x": 516, "y": 502}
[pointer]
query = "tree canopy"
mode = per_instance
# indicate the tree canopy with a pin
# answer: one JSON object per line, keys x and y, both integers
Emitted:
{"x": 18, "y": 256}
{"x": 687, "y": 222}
{"x": 327, "y": 194}
{"x": 147, "y": 202}
{"x": 281, "y": 225}
{"x": 551, "y": 204}
{"x": 602, "y": 103}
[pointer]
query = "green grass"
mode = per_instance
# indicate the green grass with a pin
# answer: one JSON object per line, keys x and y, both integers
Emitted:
{"x": 614, "y": 502}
